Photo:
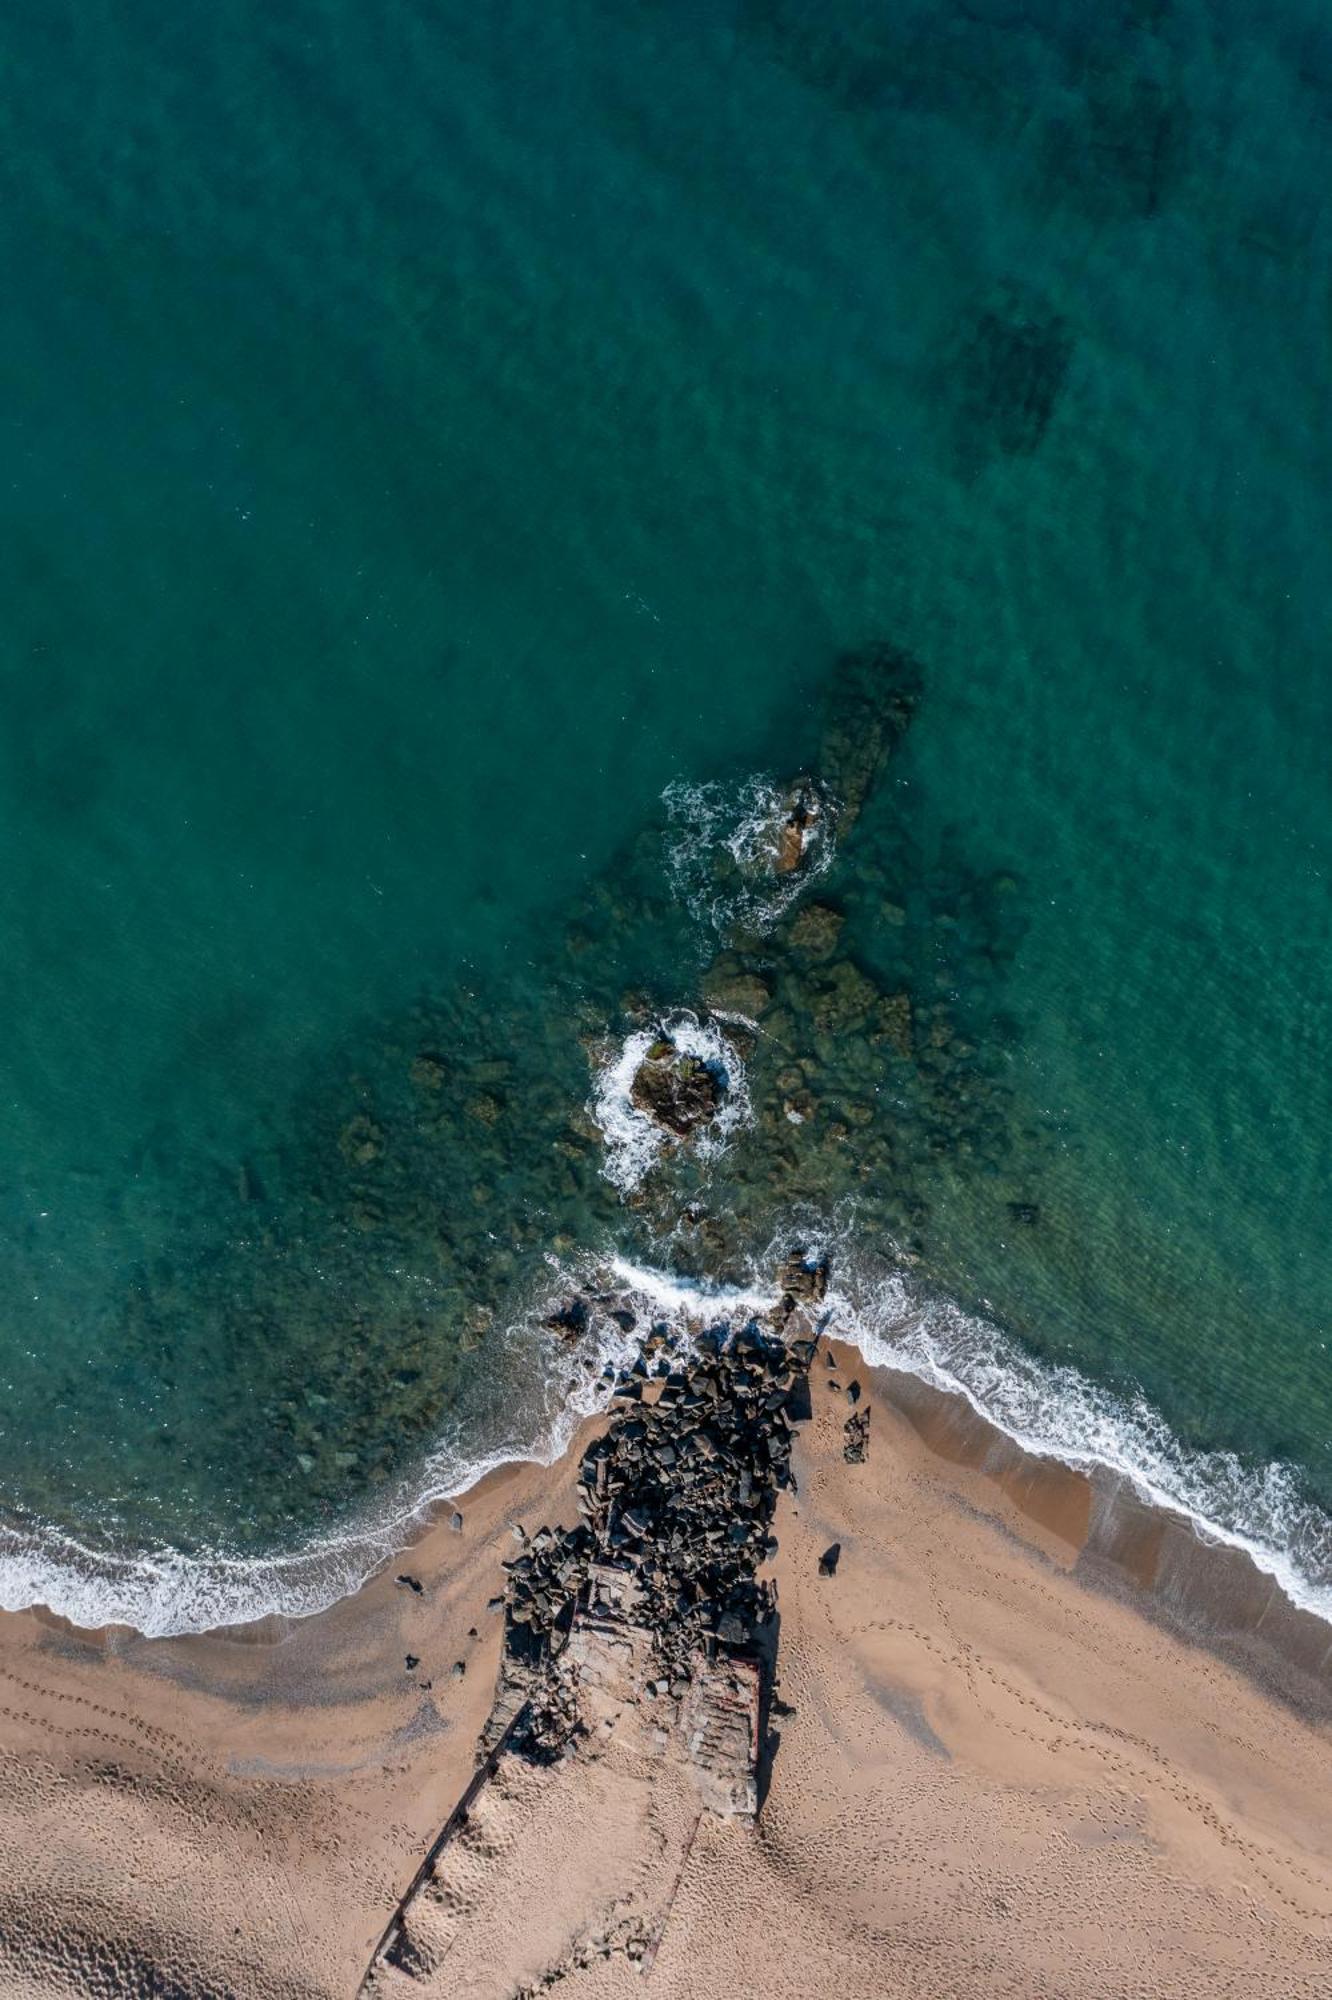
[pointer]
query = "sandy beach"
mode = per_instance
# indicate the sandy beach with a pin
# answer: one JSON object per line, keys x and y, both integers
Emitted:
{"x": 1010, "y": 1760}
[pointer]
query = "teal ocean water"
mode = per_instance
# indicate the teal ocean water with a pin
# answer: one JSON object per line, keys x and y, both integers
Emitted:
{"x": 450, "y": 453}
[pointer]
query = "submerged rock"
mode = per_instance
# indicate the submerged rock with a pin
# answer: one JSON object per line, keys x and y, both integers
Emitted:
{"x": 873, "y": 697}
{"x": 814, "y": 933}
{"x": 729, "y": 990}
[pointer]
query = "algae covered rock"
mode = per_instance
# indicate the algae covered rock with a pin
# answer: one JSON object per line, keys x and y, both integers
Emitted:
{"x": 677, "y": 1091}
{"x": 815, "y": 931}
{"x": 729, "y": 990}
{"x": 872, "y": 699}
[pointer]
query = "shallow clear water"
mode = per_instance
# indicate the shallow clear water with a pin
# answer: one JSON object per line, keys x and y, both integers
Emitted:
{"x": 432, "y": 434}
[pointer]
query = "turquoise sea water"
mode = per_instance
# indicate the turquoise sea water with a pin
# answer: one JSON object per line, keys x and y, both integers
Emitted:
{"x": 431, "y": 433}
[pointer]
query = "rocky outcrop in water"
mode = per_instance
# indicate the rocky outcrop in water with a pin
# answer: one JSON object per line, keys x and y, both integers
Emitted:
{"x": 676, "y": 1090}
{"x": 805, "y": 812}
{"x": 419, "y": 1179}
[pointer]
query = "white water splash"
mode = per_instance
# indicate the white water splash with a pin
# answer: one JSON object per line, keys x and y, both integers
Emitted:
{"x": 633, "y": 1141}
{"x": 742, "y": 823}
{"x": 1055, "y": 1411}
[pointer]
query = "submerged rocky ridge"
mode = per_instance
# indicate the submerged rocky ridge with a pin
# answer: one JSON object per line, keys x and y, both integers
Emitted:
{"x": 372, "y": 1284}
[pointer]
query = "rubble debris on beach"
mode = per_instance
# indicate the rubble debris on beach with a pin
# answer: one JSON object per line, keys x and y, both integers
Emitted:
{"x": 651, "y": 1613}
{"x": 657, "y": 1589}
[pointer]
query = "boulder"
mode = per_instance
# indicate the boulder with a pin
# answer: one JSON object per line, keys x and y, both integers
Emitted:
{"x": 735, "y": 992}
{"x": 805, "y": 1279}
{"x": 803, "y": 810}
{"x": 677, "y": 1091}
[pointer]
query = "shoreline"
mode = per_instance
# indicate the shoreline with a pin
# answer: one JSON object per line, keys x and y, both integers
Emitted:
{"x": 1207, "y": 1579}
{"x": 1147, "y": 1553}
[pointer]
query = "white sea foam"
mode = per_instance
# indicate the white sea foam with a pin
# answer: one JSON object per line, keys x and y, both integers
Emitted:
{"x": 633, "y": 1141}
{"x": 1052, "y": 1411}
{"x": 166, "y": 1591}
{"x": 1055, "y": 1411}
{"x": 743, "y": 823}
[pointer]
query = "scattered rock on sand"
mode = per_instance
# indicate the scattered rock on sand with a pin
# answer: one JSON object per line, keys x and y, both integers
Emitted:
{"x": 856, "y": 1433}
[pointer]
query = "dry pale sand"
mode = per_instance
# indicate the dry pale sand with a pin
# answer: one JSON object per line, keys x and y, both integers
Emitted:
{"x": 1006, "y": 1771}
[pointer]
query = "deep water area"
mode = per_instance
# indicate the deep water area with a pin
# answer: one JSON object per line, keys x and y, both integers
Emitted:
{"x": 464, "y": 467}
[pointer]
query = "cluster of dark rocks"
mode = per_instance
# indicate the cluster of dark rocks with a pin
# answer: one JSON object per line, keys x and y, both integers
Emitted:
{"x": 677, "y": 1498}
{"x": 855, "y": 1433}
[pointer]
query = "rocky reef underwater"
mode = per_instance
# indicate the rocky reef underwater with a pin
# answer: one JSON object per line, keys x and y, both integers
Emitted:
{"x": 770, "y": 1011}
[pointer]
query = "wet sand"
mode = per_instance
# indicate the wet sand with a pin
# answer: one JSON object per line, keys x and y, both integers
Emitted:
{"x": 1035, "y": 1739}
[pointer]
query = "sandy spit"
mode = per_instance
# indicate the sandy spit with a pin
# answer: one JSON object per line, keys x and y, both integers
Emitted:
{"x": 1033, "y": 1742}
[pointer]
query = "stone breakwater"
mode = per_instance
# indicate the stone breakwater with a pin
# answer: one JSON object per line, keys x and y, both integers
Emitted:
{"x": 677, "y": 1499}
{"x": 649, "y": 1621}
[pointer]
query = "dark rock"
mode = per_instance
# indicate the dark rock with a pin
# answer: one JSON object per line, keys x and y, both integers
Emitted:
{"x": 855, "y": 1431}
{"x": 412, "y": 1661}
{"x": 677, "y": 1091}
{"x": 829, "y": 1560}
{"x": 570, "y": 1321}
{"x": 678, "y": 1497}
{"x": 853, "y": 1393}
{"x": 804, "y": 809}
{"x": 804, "y": 1278}
{"x": 412, "y": 1583}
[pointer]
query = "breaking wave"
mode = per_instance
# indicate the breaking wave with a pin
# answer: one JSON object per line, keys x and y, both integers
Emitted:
{"x": 1055, "y": 1411}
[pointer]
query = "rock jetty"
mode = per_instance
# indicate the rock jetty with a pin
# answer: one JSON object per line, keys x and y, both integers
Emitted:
{"x": 657, "y": 1590}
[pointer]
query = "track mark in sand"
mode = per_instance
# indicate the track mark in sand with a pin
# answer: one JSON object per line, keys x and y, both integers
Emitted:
{"x": 1086, "y": 1733}
{"x": 149, "y": 1732}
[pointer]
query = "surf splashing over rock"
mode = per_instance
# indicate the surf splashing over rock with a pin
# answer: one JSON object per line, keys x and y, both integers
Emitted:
{"x": 634, "y": 1139}
{"x": 738, "y": 856}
